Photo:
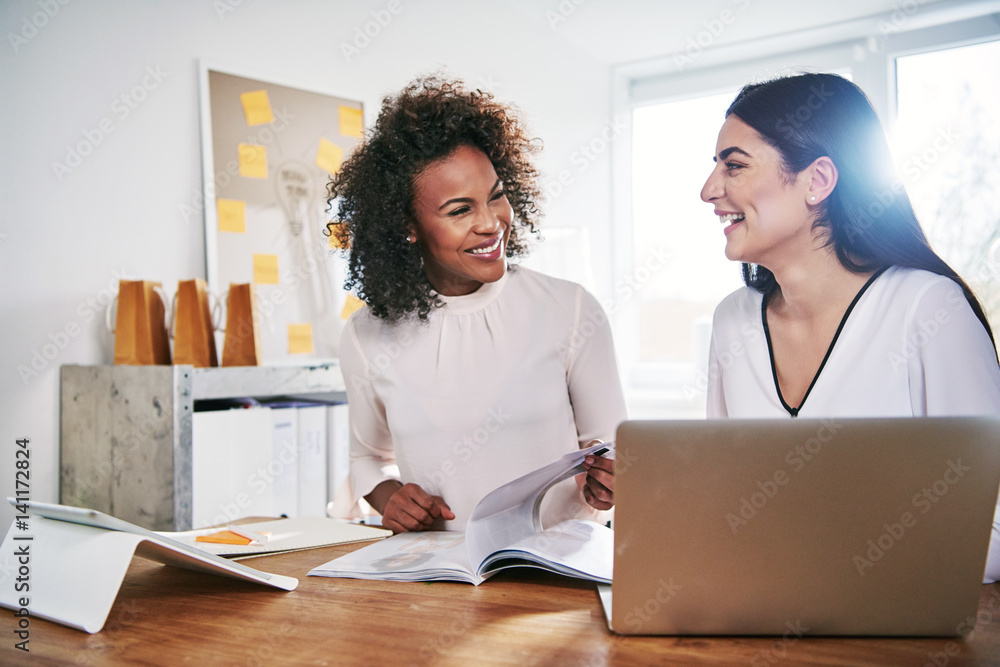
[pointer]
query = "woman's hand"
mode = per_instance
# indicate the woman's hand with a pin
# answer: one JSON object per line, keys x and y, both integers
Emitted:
{"x": 407, "y": 507}
{"x": 599, "y": 482}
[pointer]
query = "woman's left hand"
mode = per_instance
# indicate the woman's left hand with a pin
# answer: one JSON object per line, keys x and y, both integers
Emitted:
{"x": 599, "y": 482}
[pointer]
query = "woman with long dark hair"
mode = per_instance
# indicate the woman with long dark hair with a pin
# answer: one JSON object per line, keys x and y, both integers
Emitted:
{"x": 848, "y": 312}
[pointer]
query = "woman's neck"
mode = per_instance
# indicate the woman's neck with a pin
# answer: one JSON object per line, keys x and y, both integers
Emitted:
{"x": 816, "y": 287}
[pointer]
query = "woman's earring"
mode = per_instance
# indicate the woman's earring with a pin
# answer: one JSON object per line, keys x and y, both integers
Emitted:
{"x": 411, "y": 238}
{"x": 813, "y": 198}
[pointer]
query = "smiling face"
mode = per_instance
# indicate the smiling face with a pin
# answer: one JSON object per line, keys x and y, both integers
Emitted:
{"x": 462, "y": 222}
{"x": 764, "y": 211}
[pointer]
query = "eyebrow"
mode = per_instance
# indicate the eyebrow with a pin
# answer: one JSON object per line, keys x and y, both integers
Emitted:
{"x": 468, "y": 200}
{"x": 726, "y": 152}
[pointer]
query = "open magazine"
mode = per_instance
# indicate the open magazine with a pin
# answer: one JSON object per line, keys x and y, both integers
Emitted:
{"x": 504, "y": 531}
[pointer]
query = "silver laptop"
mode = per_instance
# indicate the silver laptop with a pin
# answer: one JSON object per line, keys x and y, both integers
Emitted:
{"x": 802, "y": 527}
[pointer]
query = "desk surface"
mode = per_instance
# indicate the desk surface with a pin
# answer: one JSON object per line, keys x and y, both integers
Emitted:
{"x": 168, "y": 616}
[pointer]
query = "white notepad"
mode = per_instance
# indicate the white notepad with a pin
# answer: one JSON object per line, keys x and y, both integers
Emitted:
{"x": 304, "y": 532}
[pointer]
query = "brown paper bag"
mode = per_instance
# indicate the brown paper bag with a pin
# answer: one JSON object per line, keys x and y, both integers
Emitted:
{"x": 241, "y": 346}
{"x": 194, "y": 332}
{"x": 140, "y": 330}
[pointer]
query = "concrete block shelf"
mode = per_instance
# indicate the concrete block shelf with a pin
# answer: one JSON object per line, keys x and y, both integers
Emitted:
{"x": 125, "y": 431}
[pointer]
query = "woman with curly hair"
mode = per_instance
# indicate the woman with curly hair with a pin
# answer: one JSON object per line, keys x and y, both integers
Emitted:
{"x": 464, "y": 371}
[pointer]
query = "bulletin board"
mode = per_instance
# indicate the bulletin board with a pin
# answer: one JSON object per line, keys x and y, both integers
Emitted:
{"x": 269, "y": 151}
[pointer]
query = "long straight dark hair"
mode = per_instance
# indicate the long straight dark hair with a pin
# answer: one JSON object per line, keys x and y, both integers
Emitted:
{"x": 868, "y": 217}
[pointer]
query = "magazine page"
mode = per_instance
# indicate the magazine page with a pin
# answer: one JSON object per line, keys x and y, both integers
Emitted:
{"x": 510, "y": 512}
{"x": 577, "y": 548}
{"x": 419, "y": 556}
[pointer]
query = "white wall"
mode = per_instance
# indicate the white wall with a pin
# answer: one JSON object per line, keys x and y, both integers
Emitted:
{"x": 66, "y": 238}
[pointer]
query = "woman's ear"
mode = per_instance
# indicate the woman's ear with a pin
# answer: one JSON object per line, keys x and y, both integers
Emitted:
{"x": 411, "y": 230}
{"x": 822, "y": 175}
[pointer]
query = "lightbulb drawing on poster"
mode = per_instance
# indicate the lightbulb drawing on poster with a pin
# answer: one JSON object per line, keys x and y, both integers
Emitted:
{"x": 269, "y": 151}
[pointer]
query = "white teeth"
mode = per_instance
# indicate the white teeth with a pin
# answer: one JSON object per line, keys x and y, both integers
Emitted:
{"x": 483, "y": 251}
{"x": 730, "y": 218}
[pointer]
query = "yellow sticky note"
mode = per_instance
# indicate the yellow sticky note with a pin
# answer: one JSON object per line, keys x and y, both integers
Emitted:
{"x": 351, "y": 124}
{"x": 232, "y": 214}
{"x": 223, "y": 537}
{"x": 300, "y": 338}
{"x": 253, "y": 161}
{"x": 265, "y": 269}
{"x": 353, "y": 303}
{"x": 256, "y": 107}
{"x": 336, "y": 243}
{"x": 329, "y": 156}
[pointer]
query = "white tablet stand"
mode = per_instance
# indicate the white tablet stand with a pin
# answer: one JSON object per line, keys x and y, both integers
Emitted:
{"x": 71, "y": 573}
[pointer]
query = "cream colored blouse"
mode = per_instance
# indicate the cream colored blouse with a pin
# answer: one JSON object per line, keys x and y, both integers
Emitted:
{"x": 494, "y": 385}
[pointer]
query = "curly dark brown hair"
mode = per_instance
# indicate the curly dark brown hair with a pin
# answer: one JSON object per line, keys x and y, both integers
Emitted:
{"x": 372, "y": 195}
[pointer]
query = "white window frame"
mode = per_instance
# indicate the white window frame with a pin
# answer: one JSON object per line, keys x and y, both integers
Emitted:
{"x": 867, "y": 48}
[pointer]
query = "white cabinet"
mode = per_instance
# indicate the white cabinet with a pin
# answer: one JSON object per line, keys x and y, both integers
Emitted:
{"x": 125, "y": 431}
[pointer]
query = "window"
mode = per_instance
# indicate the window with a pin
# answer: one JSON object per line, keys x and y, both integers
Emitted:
{"x": 947, "y": 146}
{"x": 673, "y": 225}
{"x": 947, "y": 165}
{"x": 679, "y": 265}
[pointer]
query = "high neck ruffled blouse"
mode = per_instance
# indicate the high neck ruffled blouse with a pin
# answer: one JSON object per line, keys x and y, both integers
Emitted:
{"x": 494, "y": 385}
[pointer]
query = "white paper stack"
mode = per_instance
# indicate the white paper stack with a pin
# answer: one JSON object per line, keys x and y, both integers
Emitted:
{"x": 231, "y": 451}
{"x": 312, "y": 460}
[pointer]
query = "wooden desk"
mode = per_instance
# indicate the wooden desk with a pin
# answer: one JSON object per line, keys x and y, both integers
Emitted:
{"x": 166, "y": 616}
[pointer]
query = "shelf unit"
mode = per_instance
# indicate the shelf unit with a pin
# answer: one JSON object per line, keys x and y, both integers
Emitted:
{"x": 125, "y": 431}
